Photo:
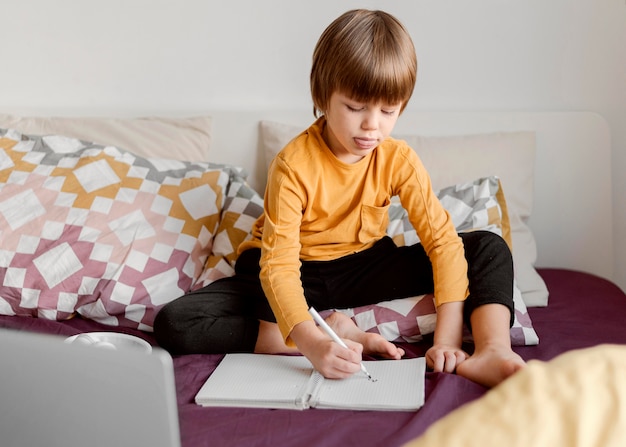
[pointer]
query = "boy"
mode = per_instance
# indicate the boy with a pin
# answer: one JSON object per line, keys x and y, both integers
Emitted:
{"x": 321, "y": 240}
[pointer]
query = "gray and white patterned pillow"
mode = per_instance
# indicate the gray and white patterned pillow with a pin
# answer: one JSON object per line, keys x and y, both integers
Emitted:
{"x": 477, "y": 205}
{"x": 472, "y": 206}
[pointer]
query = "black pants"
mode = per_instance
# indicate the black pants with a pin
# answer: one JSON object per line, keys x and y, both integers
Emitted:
{"x": 224, "y": 316}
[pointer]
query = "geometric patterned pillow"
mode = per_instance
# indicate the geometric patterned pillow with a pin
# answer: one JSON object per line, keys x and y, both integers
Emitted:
{"x": 475, "y": 205}
{"x": 409, "y": 319}
{"x": 472, "y": 206}
{"x": 99, "y": 231}
{"x": 242, "y": 206}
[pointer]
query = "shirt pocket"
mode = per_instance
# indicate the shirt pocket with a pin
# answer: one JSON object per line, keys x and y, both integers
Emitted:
{"x": 374, "y": 222}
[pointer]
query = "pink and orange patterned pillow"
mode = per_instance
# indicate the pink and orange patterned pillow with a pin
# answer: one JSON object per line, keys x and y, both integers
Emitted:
{"x": 99, "y": 231}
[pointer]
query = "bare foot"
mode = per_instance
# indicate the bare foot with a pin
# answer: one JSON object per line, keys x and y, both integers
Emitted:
{"x": 373, "y": 344}
{"x": 490, "y": 366}
{"x": 270, "y": 340}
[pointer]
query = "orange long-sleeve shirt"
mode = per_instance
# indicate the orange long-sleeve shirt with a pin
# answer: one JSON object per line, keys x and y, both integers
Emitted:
{"x": 319, "y": 208}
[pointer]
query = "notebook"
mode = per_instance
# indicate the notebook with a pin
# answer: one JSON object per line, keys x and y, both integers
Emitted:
{"x": 58, "y": 394}
{"x": 278, "y": 381}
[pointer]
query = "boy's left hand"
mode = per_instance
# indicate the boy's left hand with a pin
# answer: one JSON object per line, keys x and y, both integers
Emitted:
{"x": 444, "y": 358}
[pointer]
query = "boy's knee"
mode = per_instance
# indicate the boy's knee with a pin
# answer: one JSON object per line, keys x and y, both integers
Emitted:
{"x": 163, "y": 326}
{"x": 485, "y": 242}
{"x": 171, "y": 325}
{"x": 160, "y": 320}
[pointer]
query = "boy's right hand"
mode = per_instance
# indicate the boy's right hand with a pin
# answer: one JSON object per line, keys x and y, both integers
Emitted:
{"x": 328, "y": 358}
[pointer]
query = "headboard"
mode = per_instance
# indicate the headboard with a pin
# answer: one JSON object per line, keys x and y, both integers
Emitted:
{"x": 572, "y": 209}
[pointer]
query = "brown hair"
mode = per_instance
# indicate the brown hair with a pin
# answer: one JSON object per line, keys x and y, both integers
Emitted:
{"x": 366, "y": 55}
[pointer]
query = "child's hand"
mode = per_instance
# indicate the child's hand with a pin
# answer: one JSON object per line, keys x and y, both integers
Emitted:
{"x": 328, "y": 358}
{"x": 446, "y": 353}
{"x": 445, "y": 358}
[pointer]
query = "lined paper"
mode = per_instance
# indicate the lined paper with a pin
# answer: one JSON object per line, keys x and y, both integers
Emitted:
{"x": 399, "y": 386}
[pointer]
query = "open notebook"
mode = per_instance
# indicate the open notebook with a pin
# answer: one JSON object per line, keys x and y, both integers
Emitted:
{"x": 278, "y": 381}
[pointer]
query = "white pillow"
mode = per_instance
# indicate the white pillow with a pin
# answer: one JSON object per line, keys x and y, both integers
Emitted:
{"x": 534, "y": 289}
{"x": 510, "y": 156}
{"x": 451, "y": 160}
{"x": 458, "y": 159}
{"x": 185, "y": 139}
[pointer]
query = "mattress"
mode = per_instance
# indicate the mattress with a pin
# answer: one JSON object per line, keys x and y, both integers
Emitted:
{"x": 584, "y": 310}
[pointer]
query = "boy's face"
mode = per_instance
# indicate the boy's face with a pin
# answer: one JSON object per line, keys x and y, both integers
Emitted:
{"x": 354, "y": 129}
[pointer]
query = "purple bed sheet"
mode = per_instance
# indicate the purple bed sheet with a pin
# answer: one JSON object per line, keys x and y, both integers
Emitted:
{"x": 583, "y": 311}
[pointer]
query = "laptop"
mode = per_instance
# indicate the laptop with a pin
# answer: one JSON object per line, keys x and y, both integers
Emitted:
{"x": 58, "y": 394}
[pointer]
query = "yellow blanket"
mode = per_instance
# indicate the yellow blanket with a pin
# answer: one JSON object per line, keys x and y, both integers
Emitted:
{"x": 576, "y": 399}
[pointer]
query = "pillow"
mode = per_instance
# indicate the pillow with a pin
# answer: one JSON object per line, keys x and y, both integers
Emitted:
{"x": 476, "y": 205}
{"x": 575, "y": 399}
{"x": 172, "y": 138}
{"x": 535, "y": 291}
{"x": 242, "y": 206}
{"x": 99, "y": 231}
{"x": 509, "y": 155}
{"x": 472, "y": 206}
{"x": 396, "y": 319}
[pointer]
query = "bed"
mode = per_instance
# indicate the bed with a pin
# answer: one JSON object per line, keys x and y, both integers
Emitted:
{"x": 534, "y": 170}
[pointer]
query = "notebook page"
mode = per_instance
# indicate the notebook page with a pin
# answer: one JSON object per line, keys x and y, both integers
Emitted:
{"x": 256, "y": 380}
{"x": 399, "y": 385}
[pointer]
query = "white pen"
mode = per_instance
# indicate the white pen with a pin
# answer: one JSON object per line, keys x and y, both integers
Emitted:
{"x": 317, "y": 317}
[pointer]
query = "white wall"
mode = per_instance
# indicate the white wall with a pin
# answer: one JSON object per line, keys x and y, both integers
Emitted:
{"x": 127, "y": 57}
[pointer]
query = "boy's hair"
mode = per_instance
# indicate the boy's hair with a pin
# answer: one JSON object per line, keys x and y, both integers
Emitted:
{"x": 365, "y": 55}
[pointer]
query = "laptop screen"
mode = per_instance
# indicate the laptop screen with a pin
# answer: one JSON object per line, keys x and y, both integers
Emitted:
{"x": 58, "y": 394}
